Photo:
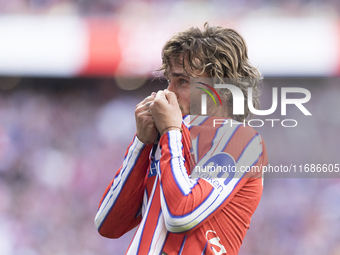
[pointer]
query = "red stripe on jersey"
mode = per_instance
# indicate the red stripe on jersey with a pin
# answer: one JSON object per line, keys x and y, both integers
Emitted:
{"x": 237, "y": 143}
{"x": 149, "y": 184}
{"x": 151, "y": 222}
{"x": 169, "y": 247}
{"x": 197, "y": 244}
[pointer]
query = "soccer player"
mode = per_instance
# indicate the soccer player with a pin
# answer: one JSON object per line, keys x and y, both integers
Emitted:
{"x": 179, "y": 211}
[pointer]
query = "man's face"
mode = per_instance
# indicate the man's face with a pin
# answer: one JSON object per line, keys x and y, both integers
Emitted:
{"x": 179, "y": 83}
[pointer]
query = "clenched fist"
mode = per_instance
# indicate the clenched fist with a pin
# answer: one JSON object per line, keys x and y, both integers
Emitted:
{"x": 166, "y": 112}
{"x": 146, "y": 128}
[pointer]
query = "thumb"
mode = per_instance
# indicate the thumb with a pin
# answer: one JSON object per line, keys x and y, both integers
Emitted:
{"x": 171, "y": 97}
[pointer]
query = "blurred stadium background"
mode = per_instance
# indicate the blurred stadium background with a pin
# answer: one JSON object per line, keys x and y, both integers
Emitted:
{"x": 71, "y": 73}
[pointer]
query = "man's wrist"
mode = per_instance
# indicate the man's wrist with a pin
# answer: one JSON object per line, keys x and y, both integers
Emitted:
{"x": 140, "y": 142}
{"x": 167, "y": 129}
{"x": 143, "y": 141}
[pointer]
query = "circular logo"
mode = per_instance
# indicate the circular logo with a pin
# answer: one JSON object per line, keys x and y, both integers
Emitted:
{"x": 221, "y": 165}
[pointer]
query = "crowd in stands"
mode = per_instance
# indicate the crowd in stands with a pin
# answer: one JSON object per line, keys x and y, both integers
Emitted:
{"x": 59, "y": 149}
{"x": 116, "y": 7}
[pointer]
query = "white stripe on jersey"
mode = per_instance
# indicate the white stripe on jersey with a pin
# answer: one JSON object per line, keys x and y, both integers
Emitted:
{"x": 133, "y": 249}
{"x": 251, "y": 153}
{"x": 194, "y": 144}
{"x": 197, "y": 120}
{"x": 186, "y": 120}
{"x": 158, "y": 236}
{"x": 145, "y": 202}
{"x": 177, "y": 160}
{"x": 119, "y": 180}
{"x": 183, "y": 223}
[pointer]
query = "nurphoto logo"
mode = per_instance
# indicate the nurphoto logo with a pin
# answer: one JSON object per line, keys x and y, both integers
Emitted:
{"x": 238, "y": 103}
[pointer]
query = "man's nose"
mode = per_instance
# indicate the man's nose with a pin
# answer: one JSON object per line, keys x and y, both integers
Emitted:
{"x": 172, "y": 87}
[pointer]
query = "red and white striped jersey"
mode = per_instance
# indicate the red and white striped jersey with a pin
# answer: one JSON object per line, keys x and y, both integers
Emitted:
{"x": 179, "y": 213}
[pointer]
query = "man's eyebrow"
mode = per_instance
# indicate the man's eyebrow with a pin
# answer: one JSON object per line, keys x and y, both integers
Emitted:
{"x": 179, "y": 75}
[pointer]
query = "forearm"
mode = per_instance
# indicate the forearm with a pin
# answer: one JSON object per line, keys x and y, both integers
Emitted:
{"x": 122, "y": 199}
{"x": 180, "y": 194}
{"x": 188, "y": 202}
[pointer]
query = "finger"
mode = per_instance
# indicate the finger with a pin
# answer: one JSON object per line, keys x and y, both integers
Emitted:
{"x": 146, "y": 100}
{"x": 148, "y": 105}
{"x": 144, "y": 106}
{"x": 143, "y": 110}
{"x": 141, "y": 107}
{"x": 160, "y": 98}
{"x": 147, "y": 112}
{"x": 160, "y": 95}
{"x": 171, "y": 97}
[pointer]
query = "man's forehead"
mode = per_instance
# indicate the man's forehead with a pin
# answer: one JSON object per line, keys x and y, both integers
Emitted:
{"x": 178, "y": 71}
{"x": 179, "y": 68}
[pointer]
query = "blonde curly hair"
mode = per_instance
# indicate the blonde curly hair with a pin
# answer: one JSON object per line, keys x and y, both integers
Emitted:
{"x": 219, "y": 52}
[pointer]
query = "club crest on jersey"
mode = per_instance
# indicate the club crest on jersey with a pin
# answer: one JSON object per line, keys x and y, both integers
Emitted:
{"x": 214, "y": 241}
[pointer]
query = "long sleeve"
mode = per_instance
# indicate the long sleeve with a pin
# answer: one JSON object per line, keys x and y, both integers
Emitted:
{"x": 189, "y": 202}
{"x": 119, "y": 208}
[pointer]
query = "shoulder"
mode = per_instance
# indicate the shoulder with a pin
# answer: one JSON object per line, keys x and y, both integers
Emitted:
{"x": 215, "y": 135}
{"x": 220, "y": 127}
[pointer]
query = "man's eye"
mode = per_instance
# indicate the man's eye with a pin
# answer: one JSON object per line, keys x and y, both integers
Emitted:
{"x": 182, "y": 81}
